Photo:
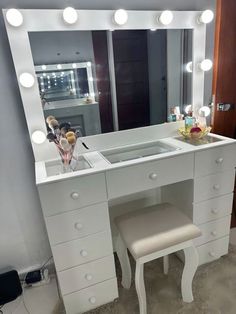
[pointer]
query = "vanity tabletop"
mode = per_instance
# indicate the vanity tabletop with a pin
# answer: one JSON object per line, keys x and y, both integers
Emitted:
{"x": 99, "y": 163}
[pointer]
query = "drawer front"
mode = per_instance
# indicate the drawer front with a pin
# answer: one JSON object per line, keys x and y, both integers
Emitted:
{"x": 79, "y": 223}
{"x": 84, "y": 250}
{"x": 215, "y": 160}
{"x": 92, "y": 297}
{"x": 72, "y": 194}
{"x": 213, "y": 230}
{"x": 86, "y": 275}
{"x": 213, "y": 185}
{"x": 213, "y": 250}
{"x": 212, "y": 209}
{"x": 149, "y": 175}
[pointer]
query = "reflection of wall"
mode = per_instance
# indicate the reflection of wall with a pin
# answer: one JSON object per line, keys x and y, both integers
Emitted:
{"x": 157, "y": 75}
{"x": 174, "y": 68}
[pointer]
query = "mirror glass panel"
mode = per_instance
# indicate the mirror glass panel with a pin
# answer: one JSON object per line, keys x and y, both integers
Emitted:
{"x": 148, "y": 69}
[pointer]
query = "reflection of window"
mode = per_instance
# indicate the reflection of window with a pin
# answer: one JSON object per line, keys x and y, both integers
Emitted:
{"x": 65, "y": 81}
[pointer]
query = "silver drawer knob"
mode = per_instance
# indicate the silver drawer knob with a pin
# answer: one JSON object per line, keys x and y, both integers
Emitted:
{"x": 215, "y": 211}
{"x": 83, "y": 253}
{"x": 92, "y": 300}
{"x": 212, "y": 254}
{"x": 74, "y": 195}
{"x": 216, "y": 187}
{"x": 214, "y": 233}
{"x": 88, "y": 277}
{"x": 219, "y": 161}
{"x": 78, "y": 226}
{"x": 153, "y": 176}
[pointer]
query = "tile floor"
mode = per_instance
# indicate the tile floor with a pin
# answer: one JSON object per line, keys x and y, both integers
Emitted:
{"x": 38, "y": 300}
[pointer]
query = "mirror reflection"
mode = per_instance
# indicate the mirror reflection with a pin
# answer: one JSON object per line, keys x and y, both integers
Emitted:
{"x": 77, "y": 69}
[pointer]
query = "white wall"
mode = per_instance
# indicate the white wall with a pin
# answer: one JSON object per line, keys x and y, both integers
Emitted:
{"x": 23, "y": 240}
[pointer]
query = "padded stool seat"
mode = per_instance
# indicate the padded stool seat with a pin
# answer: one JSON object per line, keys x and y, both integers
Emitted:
{"x": 155, "y": 228}
{"x": 154, "y": 232}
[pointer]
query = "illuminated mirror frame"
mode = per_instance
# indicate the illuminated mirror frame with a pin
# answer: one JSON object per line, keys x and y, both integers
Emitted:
{"x": 52, "y": 20}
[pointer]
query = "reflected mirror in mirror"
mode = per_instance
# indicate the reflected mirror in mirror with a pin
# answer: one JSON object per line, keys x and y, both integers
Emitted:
{"x": 149, "y": 69}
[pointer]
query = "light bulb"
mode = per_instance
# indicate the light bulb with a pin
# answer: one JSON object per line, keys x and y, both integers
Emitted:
{"x": 188, "y": 109}
{"x": 26, "y": 80}
{"x": 14, "y": 17}
{"x": 153, "y": 29}
{"x": 38, "y": 137}
{"x": 44, "y": 67}
{"x": 89, "y": 64}
{"x": 166, "y": 17}
{"x": 205, "y": 110}
{"x": 206, "y": 17}
{"x": 74, "y": 65}
{"x": 206, "y": 65}
{"x": 59, "y": 66}
{"x": 90, "y": 79}
{"x": 189, "y": 67}
{"x": 120, "y": 17}
{"x": 70, "y": 15}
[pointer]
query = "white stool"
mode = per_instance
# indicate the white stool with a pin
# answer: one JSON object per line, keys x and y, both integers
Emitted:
{"x": 151, "y": 233}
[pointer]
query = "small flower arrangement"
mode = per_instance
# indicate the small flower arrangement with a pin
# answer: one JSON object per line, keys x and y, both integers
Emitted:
{"x": 195, "y": 132}
{"x": 64, "y": 138}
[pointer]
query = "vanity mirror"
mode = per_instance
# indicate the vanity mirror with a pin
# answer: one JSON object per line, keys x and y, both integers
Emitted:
{"x": 129, "y": 91}
{"x": 147, "y": 67}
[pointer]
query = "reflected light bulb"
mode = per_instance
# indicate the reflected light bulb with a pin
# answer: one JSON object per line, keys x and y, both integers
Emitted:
{"x": 59, "y": 66}
{"x": 206, "y": 65}
{"x": 26, "y": 80}
{"x": 70, "y": 15}
{"x": 188, "y": 109}
{"x": 206, "y": 17}
{"x": 120, "y": 17}
{"x": 14, "y": 17}
{"x": 189, "y": 67}
{"x": 44, "y": 67}
{"x": 166, "y": 17}
{"x": 73, "y": 65}
{"x": 205, "y": 111}
{"x": 38, "y": 137}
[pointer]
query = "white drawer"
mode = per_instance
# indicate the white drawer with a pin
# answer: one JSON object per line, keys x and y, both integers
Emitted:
{"x": 214, "y": 185}
{"x": 86, "y": 275}
{"x": 149, "y": 175}
{"x": 72, "y": 194}
{"x": 213, "y": 250}
{"x": 213, "y": 230}
{"x": 212, "y": 209}
{"x": 84, "y": 250}
{"x": 215, "y": 160}
{"x": 92, "y": 297}
{"x": 79, "y": 223}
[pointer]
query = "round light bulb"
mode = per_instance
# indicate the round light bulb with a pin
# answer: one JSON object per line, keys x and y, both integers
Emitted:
{"x": 38, "y": 137}
{"x": 166, "y": 17}
{"x": 70, "y": 15}
{"x": 74, "y": 65}
{"x": 189, "y": 67}
{"x": 59, "y": 66}
{"x": 206, "y": 17}
{"x": 205, "y": 110}
{"x": 26, "y": 80}
{"x": 14, "y": 17}
{"x": 206, "y": 65}
{"x": 120, "y": 17}
{"x": 89, "y": 64}
{"x": 44, "y": 67}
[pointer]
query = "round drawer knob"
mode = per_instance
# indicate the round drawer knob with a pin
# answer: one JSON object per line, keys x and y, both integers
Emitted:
{"x": 214, "y": 233}
{"x": 74, "y": 195}
{"x": 212, "y": 254}
{"x": 216, "y": 187}
{"x": 88, "y": 277}
{"x": 215, "y": 211}
{"x": 92, "y": 300}
{"x": 78, "y": 226}
{"x": 219, "y": 161}
{"x": 83, "y": 253}
{"x": 153, "y": 176}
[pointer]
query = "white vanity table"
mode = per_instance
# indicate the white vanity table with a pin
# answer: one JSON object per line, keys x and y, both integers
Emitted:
{"x": 198, "y": 179}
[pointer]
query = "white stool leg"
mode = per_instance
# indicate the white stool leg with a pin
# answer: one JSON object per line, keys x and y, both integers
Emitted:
{"x": 124, "y": 263}
{"x": 140, "y": 288}
{"x": 166, "y": 264}
{"x": 190, "y": 267}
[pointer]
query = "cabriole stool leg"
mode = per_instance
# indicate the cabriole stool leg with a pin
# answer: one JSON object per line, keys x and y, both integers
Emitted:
{"x": 140, "y": 288}
{"x": 124, "y": 263}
